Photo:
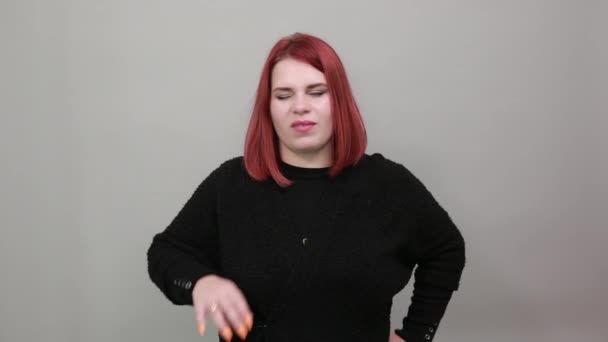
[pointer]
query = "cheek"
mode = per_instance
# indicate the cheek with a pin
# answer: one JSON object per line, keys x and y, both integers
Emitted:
{"x": 324, "y": 105}
{"x": 276, "y": 112}
{"x": 324, "y": 110}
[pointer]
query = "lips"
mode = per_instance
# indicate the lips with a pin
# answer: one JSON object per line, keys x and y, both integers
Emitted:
{"x": 302, "y": 123}
{"x": 302, "y": 126}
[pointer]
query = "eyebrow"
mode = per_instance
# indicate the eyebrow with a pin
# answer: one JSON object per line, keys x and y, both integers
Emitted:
{"x": 307, "y": 88}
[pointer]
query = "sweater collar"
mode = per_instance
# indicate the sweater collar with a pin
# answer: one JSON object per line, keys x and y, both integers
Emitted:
{"x": 297, "y": 172}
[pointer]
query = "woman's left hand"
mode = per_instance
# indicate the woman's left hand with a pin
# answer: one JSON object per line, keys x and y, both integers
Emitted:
{"x": 395, "y": 338}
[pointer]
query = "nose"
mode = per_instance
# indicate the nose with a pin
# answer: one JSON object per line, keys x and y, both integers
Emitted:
{"x": 299, "y": 105}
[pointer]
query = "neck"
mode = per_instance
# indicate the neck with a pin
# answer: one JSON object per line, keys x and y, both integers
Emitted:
{"x": 317, "y": 159}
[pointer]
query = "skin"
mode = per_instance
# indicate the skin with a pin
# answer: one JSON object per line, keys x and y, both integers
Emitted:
{"x": 299, "y": 92}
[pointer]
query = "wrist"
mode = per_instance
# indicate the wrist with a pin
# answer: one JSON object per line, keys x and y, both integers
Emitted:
{"x": 204, "y": 278}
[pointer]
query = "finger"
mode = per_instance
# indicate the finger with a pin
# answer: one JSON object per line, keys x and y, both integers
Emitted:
{"x": 242, "y": 310}
{"x": 201, "y": 329}
{"x": 200, "y": 318}
{"x": 242, "y": 307}
{"x": 236, "y": 319}
{"x": 220, "y": 322}
{"x": 244, "y": 314}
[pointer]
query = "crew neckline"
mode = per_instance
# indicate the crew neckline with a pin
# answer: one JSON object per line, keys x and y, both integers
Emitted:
{"x": 299, "y": 172}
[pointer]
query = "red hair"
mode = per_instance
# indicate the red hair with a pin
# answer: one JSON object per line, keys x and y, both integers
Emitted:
{"x": 349, "y": 135}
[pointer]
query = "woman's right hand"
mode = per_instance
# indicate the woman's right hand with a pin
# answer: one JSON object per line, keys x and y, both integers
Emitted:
{"x": 225, "y": 303}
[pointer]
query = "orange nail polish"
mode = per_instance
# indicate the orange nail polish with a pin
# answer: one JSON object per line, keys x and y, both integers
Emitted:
{"x": 227, "y": 334}
{"x": 242, "y": 331}
{"x": 249, "y": 321}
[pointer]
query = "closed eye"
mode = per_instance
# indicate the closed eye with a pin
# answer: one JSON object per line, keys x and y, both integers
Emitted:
{"x": 315, "y": 94}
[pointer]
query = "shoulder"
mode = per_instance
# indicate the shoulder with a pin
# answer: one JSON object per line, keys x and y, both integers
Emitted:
{"x": 221, "y": 175}
{"x": 396, "y": 180}
{"x": 381, "y": 163}
{"x": 232, "y": 164}
{"x": 228, "y": 168}
{"x": 388, "y": 171}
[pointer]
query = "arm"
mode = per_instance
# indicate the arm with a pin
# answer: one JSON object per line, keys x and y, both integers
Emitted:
{"x": 188, "y": 248}
{"x": 439, "y": 250}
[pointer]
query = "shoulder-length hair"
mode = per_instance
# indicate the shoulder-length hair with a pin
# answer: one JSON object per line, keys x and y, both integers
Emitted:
{"x": 349, "y": 135}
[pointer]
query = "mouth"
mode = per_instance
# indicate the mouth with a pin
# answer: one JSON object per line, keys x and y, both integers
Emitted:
{"x": 303, "y": 126}
{"x": 302, "y": 123}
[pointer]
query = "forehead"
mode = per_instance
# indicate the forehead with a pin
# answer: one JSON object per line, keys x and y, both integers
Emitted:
{"x": 292, "y": 73}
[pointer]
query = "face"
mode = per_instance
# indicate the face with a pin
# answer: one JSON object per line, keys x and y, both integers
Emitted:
{"x": 300, "y": 110}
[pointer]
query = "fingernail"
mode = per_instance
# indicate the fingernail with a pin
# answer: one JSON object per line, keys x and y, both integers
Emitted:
{"x": 242, "y": 331}
{"x": 249, "y": 321}
{"x": 227, "y": 334}
{"x": 201, "y": 329}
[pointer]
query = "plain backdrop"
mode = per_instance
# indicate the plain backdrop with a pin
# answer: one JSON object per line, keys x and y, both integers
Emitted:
{"x": 113, "y": 112}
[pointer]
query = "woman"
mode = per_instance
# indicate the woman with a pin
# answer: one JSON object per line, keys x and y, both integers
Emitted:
{"x": 306, "y": 237}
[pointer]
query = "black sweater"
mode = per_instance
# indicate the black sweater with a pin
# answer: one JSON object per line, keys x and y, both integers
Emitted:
{"x": 322, "y": 259}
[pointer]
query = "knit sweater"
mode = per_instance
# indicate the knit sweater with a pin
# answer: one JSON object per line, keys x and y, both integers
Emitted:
{"x": 321, "y": 259}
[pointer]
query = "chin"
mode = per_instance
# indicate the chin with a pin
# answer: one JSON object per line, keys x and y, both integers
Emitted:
{"x": 306, "y": 148}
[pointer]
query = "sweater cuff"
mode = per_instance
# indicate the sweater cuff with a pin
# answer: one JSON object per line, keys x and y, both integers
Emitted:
{"x": 425, "y": 312}
{"x": 181, "y": 279}
{"x": 415, "y": 332}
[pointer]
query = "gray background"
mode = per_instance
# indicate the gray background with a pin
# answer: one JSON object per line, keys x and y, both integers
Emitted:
{"x": 113, "y": 112}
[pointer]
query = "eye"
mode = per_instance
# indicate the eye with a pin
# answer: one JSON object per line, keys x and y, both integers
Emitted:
{"x": 318, "y": 93}
{"x": 282, "y": 97}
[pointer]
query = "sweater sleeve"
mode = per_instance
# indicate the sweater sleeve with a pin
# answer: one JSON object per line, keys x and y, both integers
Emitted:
{"x": 188, "y": 247}
{"x": 439, "y": 250}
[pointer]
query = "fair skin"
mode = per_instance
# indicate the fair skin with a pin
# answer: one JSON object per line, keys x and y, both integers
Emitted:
{"x": 231, "y": 314}
{"x": 298, "y": 92}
